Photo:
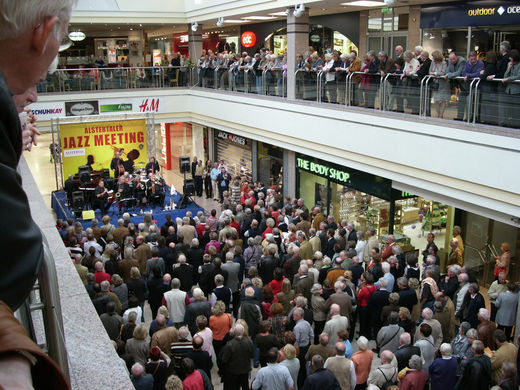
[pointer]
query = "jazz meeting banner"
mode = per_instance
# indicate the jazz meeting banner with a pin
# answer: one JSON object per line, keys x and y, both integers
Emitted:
{"x": 95, "y": 143}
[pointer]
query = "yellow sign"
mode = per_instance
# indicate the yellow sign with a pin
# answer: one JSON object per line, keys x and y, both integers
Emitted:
{"x": 95, "y": 143}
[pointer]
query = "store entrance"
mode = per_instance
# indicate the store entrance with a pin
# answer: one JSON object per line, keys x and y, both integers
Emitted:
{"x": 386, "y": 42}
{"x": 485, "y": 39}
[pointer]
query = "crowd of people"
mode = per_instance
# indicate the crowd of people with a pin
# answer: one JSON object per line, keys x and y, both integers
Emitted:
{"x": 451, "y": 75}
{"x": 268, "y": 282}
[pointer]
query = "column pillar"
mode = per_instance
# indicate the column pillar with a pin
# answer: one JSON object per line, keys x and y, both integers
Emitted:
{"x": 195, "y": 43}
{"x": 289, "y": 173}
{"x": 414, "y": 26}
{"x": 254, "y": 157}
{"x": 297, "y": 43}
{"x": 363, "y": 32}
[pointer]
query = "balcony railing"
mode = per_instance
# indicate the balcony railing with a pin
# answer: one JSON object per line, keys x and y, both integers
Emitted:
{"x": 492, "y": 102}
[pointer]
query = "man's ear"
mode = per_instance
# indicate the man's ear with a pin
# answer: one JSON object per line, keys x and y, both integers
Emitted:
{"x": 41, "y": 35}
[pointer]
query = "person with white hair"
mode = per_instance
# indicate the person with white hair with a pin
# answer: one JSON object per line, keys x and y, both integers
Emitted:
{"x": 195, "y": 309}
{"x": 362, "y": 360}
{"x": 336, "y": 323}
{"x": 386, "y": 372}
{"x": 405, "y": 350}
{"x": 486, "y": 328}
{"x": 443, "y": 370}
{"x": 236, "y": 358}
{"x": 175, "y": 300}
{"x": 427, "y": 315}
{"x": 140, "y": 379}
{"x": 415, "y": 378}
{"x": 31, "y": 32}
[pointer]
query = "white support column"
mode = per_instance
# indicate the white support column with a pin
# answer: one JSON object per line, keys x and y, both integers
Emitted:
{"x": 297, "y": 43}
{"x": 289, "y": 173}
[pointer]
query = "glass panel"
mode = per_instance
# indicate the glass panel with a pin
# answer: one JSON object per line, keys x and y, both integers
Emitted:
{"x": 388, "y": 22}
{"x": 374, "y": 43}
{"x": 374, "y": 20}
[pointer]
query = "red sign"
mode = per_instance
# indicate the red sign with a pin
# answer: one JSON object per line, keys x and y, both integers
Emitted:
{"x": 166, "y": 146}
{"x": 248, "y": 39}
{"x": 152, "y": 107}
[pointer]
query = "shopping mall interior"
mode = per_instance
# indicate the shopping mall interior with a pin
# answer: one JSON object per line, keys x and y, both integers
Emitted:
{"x": 266, "y": 89}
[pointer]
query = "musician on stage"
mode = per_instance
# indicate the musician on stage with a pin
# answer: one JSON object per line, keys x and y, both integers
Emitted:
{"x": 117, "y": 165}
{"x": 69, "y": 187}
{"x": 125, "y": 191}
{"x": 140, "y": 192}
{"x": 101, "y": 198}
{"x": 155, "y": 189}
{"x": 152, "y": 167}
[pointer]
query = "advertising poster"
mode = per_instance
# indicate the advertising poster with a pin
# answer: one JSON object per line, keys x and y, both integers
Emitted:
{"x": 88, "y": 107}
{"x": 94, "y": 144}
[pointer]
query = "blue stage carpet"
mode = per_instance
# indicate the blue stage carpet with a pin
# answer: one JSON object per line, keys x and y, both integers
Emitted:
{"x": 59, "y": 205}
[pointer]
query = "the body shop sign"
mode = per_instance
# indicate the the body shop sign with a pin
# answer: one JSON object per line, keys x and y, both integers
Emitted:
{"x": 248, "y": 39}
{"x": 232, "y": 138}
{"x": 324, "y": 170}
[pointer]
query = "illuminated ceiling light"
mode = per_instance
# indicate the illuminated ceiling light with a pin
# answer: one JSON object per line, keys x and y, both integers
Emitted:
{"x": 259, "y": 17}
{"x": 237, "y": 21}
{"x": 365, "y": 3}
{"x": 77, "y": 36}
{"x": 194, "y": 26}
{"x": 220, "y": 22}
{"x": 298, "y": 10}
{"x": 281, "y": 13}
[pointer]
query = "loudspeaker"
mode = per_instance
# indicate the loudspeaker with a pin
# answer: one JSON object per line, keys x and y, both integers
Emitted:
{"x": 78, "y": 201}
{"x": 84, "y": 178}
{"x": 88, "y": 214}
{"x": 105, "y": 173}
{"x": 189, "y": 187}
{"x": 184, "y": 164}
{"x": 109, "y": 183}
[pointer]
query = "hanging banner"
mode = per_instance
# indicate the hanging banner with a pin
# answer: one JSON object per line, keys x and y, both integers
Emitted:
{"x": 94, "y": 144}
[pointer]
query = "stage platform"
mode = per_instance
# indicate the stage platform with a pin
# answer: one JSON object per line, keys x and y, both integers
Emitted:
{"x": 59, "y": 205}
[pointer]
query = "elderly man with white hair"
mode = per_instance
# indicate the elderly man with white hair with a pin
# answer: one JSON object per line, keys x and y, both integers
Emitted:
{"x": 195, "y": 309}
{"x": 443, "y": 370}
{"x": 336, "y": 323}
{"x": 340, "y": 298}
{"x": 386, "y": 372}
{"x": 176, "y": 300}
{"x": 30, "y": 35}
{"x": 388, "y": 276}
{"x": 427, "y": 315}
{"x": 486, "y": 328}
{"x": 140, "y": 379}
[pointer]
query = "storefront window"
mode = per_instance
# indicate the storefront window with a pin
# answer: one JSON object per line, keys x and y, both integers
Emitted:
{"x": 320, "y": 38}
{"x": 270, "y": 166}
{"x": 181, "y": 142}
{"x": 235, "y": 153}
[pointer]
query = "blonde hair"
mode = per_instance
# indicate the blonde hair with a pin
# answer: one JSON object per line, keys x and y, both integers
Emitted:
{"x": 134, "y": 273}
{"x": 290, "y": 351}
{"x": 139, "y": 332}
{"x": 219, "y": 308}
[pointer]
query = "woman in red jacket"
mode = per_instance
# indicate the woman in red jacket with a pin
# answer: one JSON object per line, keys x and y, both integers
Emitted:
{"x": 364, "y": 291}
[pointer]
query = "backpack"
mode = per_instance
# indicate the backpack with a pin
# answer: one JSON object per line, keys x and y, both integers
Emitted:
{"x": 388, "y": 383}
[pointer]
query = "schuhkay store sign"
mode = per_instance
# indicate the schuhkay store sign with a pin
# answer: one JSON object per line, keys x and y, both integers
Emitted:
{"x": 472, "y": 13}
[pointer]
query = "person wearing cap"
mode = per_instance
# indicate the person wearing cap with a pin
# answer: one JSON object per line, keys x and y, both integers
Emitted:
{"x": 157, "y": 366}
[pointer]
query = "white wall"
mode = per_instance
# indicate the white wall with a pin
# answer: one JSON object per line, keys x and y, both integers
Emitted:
{"x": 473, "y": 167}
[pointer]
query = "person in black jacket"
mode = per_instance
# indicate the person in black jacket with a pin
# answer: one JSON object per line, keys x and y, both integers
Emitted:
{"x": 184, "y": 272}
{"x": 476, "y": 373}
{"x": 473, "y": 302}
{"x": 405, "y": 351}
{"x": 407, "y": 296}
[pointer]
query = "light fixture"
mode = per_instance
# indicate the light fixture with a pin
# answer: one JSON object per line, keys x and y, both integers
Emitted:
{"x": 281, "y": 13}
{"x": 220, "y": 22}
{"x": 389, "y": 2}
{"x": 298, "y": 10}
{"x": 77, "y": 36}
{"x": 259, "y": 17}
{"x": 237, "y": 21}
{"x": 365, "y": 3}
{"x": 194, "y": 26}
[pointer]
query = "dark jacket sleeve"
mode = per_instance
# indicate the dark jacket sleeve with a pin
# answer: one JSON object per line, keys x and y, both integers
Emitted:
{"x": 22, "y": 256}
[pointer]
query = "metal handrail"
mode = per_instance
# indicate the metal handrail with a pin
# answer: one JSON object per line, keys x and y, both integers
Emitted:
{"x": 319, "y": 92}
{"x": 264, "y": 86}
{"x": 50, "y": 306}
{"x": 475, "y": 100}
{"x": 423, "y": 98}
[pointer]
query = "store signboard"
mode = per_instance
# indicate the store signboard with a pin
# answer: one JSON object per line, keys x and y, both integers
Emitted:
{"x": 90, "y": 107}
{"x": 361, "y": 181}
{"x": 471, "y": 13}
{"x": 232, "y": 138}
{"x": 121, "y": 107}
